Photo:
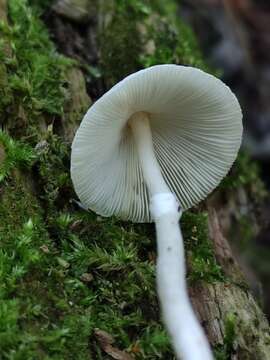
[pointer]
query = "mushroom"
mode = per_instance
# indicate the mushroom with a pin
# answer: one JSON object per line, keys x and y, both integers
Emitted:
{"x": 154, "y": 145}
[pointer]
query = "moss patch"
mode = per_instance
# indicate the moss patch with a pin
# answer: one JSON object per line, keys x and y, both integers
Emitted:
{"x": 144, "y": 33}
{"x": 35, "y": 71}
{"x": 14, "y": 155}
{"x": 203, "y": 265}
{"x": 225, "y": 351}
{"x": 120, "y": 43}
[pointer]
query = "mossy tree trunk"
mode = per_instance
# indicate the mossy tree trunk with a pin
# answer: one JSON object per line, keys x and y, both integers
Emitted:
{"x": 66, "y": 272}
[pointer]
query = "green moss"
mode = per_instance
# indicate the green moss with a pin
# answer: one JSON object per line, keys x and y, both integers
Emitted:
{"x": 173, "y": 42}
{"x": 156, "y": 340}
{"x": 120, "y": 43}
{"x": 41, "y": 313}
{"x": 122, "y": 293}
{"x": 16, "y": 155}
{"x": 18, "y": 207}
{"x": 34, "y": 290}
{"x": 133, "y": 26}
{"x": 53, "y": 169}
{"x": 5, "y": 92}
{"x": 225, "y": 351}
{"x": 199, "y": 249}
{"x": 53, "y": 248}
{"x": 36, "y": 73}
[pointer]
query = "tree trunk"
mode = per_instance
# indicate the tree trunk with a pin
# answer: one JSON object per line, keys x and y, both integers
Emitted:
{"x": 66, "y": 272}
{"x": 228, "y": 310}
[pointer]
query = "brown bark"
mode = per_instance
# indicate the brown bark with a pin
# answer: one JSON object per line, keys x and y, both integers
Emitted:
{"x": 216, "y": 303}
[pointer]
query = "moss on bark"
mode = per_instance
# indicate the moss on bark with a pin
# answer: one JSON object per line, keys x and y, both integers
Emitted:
{"x": 66, "y": 271}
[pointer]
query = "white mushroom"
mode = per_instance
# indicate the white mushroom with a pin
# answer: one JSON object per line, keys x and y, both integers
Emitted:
{"x": 155, "y": 144}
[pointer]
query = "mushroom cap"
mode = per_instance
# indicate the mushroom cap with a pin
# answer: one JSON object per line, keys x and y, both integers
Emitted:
{"x": 196, "y": 125}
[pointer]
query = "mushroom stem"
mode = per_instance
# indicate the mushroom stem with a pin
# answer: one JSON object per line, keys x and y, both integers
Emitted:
{"x": 139, "y": 123}
{"x": 188, "y": 338}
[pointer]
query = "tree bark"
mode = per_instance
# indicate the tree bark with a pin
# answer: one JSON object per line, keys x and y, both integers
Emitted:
{"x": 219, "y": 304}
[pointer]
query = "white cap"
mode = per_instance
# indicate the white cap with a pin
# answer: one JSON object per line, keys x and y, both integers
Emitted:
{"x": 196, "y": 124}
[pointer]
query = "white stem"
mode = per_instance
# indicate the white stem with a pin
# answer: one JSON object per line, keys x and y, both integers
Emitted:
{"x": 188, "y": 338}
{"x": 187, "y": 335}
{"x": 139, "y": 124}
